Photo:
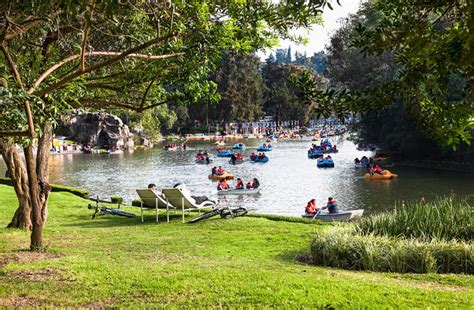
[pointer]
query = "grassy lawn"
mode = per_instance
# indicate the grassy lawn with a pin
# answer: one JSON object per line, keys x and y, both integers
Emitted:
{"x": 243, "y": 262}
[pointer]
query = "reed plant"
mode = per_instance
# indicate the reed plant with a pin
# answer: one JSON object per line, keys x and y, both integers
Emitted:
{"x": 445, "y": 218}
{"x": 349, "y": 250}
{"x": 433, "y": 237}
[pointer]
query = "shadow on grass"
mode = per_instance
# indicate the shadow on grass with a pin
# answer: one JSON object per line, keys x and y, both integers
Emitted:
{"x": 117, "y": 221}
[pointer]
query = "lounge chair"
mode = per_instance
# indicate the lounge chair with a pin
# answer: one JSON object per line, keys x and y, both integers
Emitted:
{"x": 152, "y": 200}
{"x": 181, "y": 200}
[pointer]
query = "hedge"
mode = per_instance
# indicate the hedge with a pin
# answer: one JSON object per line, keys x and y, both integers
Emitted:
{"x": 56, "y": 188}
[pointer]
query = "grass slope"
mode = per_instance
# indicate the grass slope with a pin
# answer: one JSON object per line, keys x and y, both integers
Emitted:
{"x": 244, "y": 262}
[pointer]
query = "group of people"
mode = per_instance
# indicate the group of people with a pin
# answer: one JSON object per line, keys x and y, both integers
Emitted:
{"x": 364, "y": 161}
{"x": 260, "y": 156}
{"x": 234, "y": 158}
{"x": 331, "y": 206}
{"x": 325, "y": 146}
{"x": 170, "y": 146}
{"x": 203, "y": 157}
{"x": 223, "y": 185}
{"x": 217, "y": 171}
{"x": 267, "y": 146}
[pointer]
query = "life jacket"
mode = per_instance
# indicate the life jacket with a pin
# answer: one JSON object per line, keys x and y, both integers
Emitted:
{"x": 378, "y": 169}
{"x": 223, "y": 185}
{"x": 220, "y": 171}
{"x": 240, "y": 184}
{"x": 310, "y": 208}
{"x": 249, "y": 185}
{"x": 214, "y": 171}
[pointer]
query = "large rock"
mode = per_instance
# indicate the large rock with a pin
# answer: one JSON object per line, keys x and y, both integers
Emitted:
{"x": 97, "y": 129}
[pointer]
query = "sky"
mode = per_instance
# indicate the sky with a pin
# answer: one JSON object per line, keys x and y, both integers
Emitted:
{"x": 319, "y": 35}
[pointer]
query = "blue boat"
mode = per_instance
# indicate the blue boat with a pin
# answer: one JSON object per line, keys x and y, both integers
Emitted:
{"x": 261, "y": 148}
{"x": 325, "y": 163}
{"x": 263, "y": 160}
{"x": 314, "y": 155}
{"x": 227, "y": 153}
{"x": 239, "y": 146}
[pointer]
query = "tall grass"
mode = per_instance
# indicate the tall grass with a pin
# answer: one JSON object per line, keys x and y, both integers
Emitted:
{"x": 419, "y": 238}
{"x": 443, "y": 219}
{"x": 349, "y": 250}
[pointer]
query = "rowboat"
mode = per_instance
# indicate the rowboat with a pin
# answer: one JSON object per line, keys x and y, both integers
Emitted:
{"x": 239, "y": 191}
{"x": 341, "y": 216}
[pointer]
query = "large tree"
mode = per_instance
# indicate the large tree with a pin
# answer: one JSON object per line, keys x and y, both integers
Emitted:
{"x": 105, "y": 54}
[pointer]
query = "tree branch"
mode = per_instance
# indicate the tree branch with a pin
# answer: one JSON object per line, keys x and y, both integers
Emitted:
{"x": 76, "y": 74}
{"x": 146, "y": 92}
{"x": 12, "y": 66}
{"x": 30, "y": 25}
{"x": 14, "y": 133}
{"x": 116, "y": 57}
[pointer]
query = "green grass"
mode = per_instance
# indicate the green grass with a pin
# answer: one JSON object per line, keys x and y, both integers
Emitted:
{"x": 244, "y": 262}
{"x": 446, "y": 218}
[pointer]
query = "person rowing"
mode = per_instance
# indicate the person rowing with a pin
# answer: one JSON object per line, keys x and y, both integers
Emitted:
{"x": 331, "y": 206}
{"x": 311, "y": 207}
{"x": 239, "y": 184}
{"x": 222, "y": 185}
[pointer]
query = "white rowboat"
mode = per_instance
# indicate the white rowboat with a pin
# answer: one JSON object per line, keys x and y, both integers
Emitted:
{"x": 239, "y": 191}
{"x": 341, "y": 216}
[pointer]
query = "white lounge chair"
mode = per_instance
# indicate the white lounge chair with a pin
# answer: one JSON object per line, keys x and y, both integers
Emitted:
{"x": 152, "y": 200}
{"x": 181, "y": 200}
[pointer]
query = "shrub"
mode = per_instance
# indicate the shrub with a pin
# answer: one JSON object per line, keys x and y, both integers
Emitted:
{"x": 116, "y": 199}
{"x": 55, "y": 188}
{"x": 443, "y": 219}
{"x": 349, "y": 250}
{"x": 136, "y": 202}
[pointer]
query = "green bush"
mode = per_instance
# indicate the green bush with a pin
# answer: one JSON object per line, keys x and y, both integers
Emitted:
{"x": 116, "y": 199}
{"x": 443, "y": 219}
{"x": 55, "y": 188}
{"x": 136, "y": 202}
{"x": 344, "y": 248}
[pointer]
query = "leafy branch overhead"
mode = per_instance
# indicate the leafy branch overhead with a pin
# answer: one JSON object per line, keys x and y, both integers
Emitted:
{"x": 106, "y": 54}
{"x": 417, "y": 52}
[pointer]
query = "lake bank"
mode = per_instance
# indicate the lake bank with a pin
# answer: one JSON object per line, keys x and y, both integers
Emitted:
{"x": 118, "y": 262}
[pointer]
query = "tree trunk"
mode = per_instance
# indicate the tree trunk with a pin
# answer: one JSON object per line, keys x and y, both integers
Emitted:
{"x": 19, "y": 178}
{"x": 38, "y": 176}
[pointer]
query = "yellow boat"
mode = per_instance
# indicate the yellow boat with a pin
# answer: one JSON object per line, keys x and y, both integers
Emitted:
{"x": 386, "y": 175}
{"x": 223, "y": 176}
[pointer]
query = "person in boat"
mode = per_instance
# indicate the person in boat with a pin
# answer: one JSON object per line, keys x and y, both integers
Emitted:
{"x": 329, "y": 157}
{"x": 184, "y": 146}
{"x": 331, "y": 206}
{"x": 214, "y": 171}
{"x": 255, "y": 183}
{"x": 311, "y": 207}
{"x": 371, "y": 171}
{"x": 357, "y": 161}
{"x": 220, "y": 171}
{"x": 205, "y": 154}
{"x": 261, "y": 156}
{"x": 233, "y": 159}
{"x": 269, "y": 146}
{"x": 207, "y": 160}
{"x": 239, "y": 184}
{"x": 239, "y": 156}
{"x": 264, "y": 145}
{"x": 311, "y": 151}
{"x": 371, "y": 161}
{"x": 378, "y": 169}
{"x": 222, "y": 185}
{"x": 334, "y": 147}
{"x": 249, "y": 185}
{"x": 253, "y": 156}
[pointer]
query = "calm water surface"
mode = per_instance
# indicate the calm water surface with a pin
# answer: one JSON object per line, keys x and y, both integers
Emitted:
{"x": 288, "y": 180}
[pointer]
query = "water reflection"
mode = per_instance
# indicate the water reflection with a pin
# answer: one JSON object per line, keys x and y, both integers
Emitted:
{"x": 288, "y": 181}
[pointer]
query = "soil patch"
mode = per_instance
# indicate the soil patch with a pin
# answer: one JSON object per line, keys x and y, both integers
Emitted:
{"x": 36, "y": 275}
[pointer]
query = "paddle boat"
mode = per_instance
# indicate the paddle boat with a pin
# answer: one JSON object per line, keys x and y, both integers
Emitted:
{"x": 250, "y": 191}
{"x": 265, "y": 148}
{"x": 219, "y": 143}
{"x": 226, "y": 153}
{"x": 237, "y": 162}
{"x": 325, "y": 163}
{"x": 239, "y": 146}
{"x": 260, "y": 160}
{"x": 203, "y": 161}
{"x": 386, "y": 175}
{"x": 341, "y": 216}
{"x": 314, "y": 155}
{"x": 224, "y": 176}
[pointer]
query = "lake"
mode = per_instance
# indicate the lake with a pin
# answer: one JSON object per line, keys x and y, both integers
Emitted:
{"x": 288, "y": 181}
